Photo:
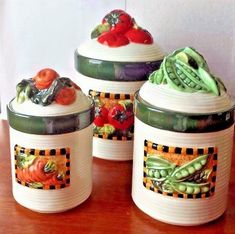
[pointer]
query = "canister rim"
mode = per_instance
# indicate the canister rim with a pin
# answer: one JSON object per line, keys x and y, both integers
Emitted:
{"x": 160, "y": 109}
{"x": 122, "y": 71}
{"x": 182, "y": 122}
{"x": 50, "y": 125}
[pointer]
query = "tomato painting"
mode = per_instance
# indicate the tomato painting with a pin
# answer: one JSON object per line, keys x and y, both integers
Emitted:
{"x": 114, "y": 115}
{"x": 39, "y": 171}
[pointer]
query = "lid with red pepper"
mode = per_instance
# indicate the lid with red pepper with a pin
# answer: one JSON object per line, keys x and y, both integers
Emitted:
{"x": 119, "y": 38}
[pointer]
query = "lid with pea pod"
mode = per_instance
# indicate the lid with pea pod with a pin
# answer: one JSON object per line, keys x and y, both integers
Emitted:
{"x": 186, "y": 70}
{"x": 183, "y": 95}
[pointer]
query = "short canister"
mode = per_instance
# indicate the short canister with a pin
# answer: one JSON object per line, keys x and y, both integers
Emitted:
{"x": 51, "y": 150}
{"x": 182, "y": 148}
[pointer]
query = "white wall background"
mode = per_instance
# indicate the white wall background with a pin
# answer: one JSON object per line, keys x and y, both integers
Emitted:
{"x": 41, "y": 33}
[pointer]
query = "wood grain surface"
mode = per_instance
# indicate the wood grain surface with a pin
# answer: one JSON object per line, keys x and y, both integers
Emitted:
{"x": 109, "y": 208}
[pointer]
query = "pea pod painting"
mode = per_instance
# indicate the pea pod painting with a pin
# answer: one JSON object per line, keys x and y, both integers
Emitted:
{"x": 166, "y": 173}
{"x": 190, "y": 169}
{"x": 158, "y": 169}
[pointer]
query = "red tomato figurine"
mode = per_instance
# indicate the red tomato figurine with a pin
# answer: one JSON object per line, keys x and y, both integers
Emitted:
{"x": 120, "y": 117}
{"x": 139, "y": 35}
{"x": 44, "y": 78}
{"x": 119, "y": 21}
{"x": 113, "y": 39}
{"x": 66, "y": 96}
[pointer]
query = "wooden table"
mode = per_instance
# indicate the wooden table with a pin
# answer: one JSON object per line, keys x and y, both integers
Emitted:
{"x": 109, "y": 208}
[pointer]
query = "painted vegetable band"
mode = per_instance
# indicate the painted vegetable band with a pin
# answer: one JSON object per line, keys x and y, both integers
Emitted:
{"x": 180, "y": 172}
{"x": 42, "y": 169}
{"x": 114, "y": 117}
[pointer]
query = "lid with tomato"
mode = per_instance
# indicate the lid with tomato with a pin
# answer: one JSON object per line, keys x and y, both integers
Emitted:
{"x": 49, "y": 104}
{"x": 47, "y": 93}
{"x": 118, "y": 28}
{"x": 119, "y": 38}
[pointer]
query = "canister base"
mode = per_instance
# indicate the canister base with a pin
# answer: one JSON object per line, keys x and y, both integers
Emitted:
{"x": 112, "y": 150}
{"x": 48, "y": 211}
{"x": 60, "y": 207}
{"x": 148, "y": 211}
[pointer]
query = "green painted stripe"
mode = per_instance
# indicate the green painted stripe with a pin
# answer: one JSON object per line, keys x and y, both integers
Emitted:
{"x": 181, "y": 122}
{"x": 50, "y": 125}
{"x": 114, "y": 71}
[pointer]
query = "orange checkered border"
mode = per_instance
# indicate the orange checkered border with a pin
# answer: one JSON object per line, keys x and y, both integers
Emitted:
{"x": 112, "y": 96}
{"x": 183, "y": 151}
{"x": 45, "y": 152}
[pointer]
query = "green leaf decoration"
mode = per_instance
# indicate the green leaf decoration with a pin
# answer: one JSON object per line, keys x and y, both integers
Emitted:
{"x": 99, "y": 29}
{"x": 157, "y": 77}
{"x": 24, "y": 90}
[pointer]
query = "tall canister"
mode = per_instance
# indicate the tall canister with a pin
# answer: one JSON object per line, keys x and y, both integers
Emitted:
{"x": 112, "y": 66}
{"x": 51, "y": 143}
{"x": 184, "y": 124}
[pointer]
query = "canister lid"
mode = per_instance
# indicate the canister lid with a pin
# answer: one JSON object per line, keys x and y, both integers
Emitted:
{"x": 181, "y": 121}
{"x": 183, "y": 95}
{"x": 114, "y": 71}
{"x": 198, "y": 103}
{"x": 118, "y": 38}
{"x": 184, "y": 83}
{"x": 50, "y": 125}
{"x": 49, "y": 104}
{"x": 132, "y": 52}
{"x": 81, "y": 103}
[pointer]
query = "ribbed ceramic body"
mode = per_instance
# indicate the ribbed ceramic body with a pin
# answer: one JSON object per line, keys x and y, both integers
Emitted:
{"x": 51, "y": 159}
{"x": 181, "y": 164}
{"x": 176, "y": 210}
{"x": 80, "y": 171}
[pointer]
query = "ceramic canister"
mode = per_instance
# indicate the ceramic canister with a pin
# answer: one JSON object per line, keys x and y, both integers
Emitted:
{"x": 183, "y": 142}
{"x": 51, "y": 152}
{"x": 112, "y": 67}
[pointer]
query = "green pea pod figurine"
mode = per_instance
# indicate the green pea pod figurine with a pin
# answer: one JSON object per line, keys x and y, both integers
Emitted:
{"x": 186, "y": 70}
{"x": 209, "y": 81}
